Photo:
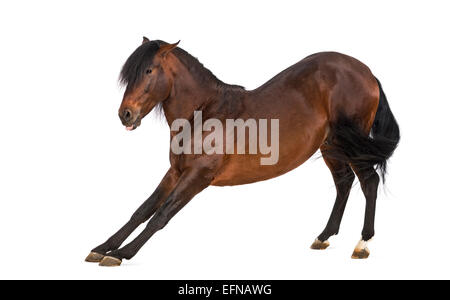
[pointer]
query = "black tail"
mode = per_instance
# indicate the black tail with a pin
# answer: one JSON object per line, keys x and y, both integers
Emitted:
{"x": 347, "y": 142}
{"x": 385, "y": 130}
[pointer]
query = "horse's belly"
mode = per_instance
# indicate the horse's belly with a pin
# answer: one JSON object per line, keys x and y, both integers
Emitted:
{"x": 241, "y": 170}
{"x": 294, "y": 149}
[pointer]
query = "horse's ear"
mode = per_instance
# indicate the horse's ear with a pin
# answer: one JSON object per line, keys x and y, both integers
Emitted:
{"x": 165, "y": 49}
{"x": 145, "y": 40}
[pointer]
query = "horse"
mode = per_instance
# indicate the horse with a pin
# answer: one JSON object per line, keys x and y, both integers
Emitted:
{"x": 328, "y": 101}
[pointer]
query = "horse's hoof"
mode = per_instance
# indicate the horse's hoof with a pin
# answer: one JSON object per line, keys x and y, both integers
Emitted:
{"x": 319, "y": 245}
{"x": 361, "y": 251}
{"x": 361, "y": 254}
{"x": 94, "y": 257}
{"x": 109, "y": 261}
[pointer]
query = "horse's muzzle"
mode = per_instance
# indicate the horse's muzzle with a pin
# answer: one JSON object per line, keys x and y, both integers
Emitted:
{"x": 129, "y": 119}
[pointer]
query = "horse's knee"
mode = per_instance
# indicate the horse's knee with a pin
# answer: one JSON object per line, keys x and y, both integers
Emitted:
{"x": 347, "y": 182}
{"x": 373, "y": 178}
{"x": 350, "y": 176}
{"x": 158, "y": 222}
{"x": 344, "y": 180}
{"x": 139, "y": 218}
{"x": 370, "y": 182}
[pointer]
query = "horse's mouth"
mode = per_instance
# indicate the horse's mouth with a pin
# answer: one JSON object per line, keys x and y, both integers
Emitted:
{"x": 134, "y": 125}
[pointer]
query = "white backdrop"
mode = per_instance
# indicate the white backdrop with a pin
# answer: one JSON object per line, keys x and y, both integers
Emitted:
{"x": 71, "y": 175}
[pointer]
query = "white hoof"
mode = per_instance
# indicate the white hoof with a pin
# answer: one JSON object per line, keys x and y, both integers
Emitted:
{"x": 361, "y": 250}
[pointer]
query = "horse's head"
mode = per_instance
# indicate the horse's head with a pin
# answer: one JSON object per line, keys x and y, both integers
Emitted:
{"x": 147, "y": 79}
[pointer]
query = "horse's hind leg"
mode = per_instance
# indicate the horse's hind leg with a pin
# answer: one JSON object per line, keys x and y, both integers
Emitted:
{"x": 142, "y": 214}
{"x": 343, "y": 177}
{"x": 369, "y": 181}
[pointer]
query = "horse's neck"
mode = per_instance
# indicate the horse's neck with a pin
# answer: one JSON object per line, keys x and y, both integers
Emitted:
{"x": 189, "y": 93}
{"x": 184, "y": 101}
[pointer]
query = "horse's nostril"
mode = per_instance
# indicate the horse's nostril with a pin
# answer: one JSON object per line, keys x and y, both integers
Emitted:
{"x": 127, "y": 115}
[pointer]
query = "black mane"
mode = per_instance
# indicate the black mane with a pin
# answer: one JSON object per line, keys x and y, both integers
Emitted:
{"x": 135, "y": 66}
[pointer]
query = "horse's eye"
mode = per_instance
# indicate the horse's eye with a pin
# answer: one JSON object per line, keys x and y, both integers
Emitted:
{"x": 148, "y": 71}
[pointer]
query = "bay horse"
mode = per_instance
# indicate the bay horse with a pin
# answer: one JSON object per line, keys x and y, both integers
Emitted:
{"x": 327, "y": 101}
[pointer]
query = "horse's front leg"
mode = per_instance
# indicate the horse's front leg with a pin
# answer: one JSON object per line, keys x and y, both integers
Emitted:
{"x": 142, "y": 214}
{"x": 191, "y": 182}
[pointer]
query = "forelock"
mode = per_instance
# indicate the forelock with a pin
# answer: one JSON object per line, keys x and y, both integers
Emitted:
{"x": 135, "y": 66}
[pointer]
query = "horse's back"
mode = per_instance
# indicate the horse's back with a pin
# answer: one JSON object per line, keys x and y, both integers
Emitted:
{"x": 306, "y": 98}
{"x": 330, "y": 81}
